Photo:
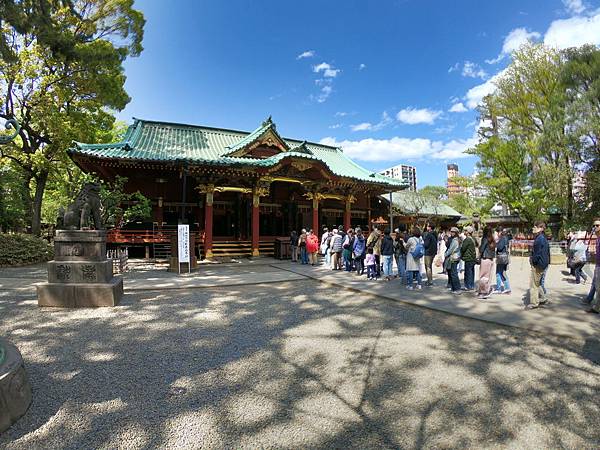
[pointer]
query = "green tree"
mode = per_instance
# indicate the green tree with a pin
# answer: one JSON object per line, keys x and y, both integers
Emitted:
{"x": 120, "y": 207}
{"x": 437, "y": 192}
{"x": 59, "y": 97}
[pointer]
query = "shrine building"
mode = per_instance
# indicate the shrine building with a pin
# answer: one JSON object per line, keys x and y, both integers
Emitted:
{"x": 236, "y": 187}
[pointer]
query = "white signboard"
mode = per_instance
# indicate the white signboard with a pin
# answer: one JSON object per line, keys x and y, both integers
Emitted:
{"x": 183, "y": 243}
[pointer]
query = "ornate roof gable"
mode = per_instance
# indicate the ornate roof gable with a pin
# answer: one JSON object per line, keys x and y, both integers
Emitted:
{"x": 265, "y": 135}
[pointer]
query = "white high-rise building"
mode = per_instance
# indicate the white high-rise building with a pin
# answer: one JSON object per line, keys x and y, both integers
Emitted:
{"x": 404, "y": 173}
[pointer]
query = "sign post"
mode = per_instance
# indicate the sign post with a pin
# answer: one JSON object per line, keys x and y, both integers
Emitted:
{"x": 183, "y": 247}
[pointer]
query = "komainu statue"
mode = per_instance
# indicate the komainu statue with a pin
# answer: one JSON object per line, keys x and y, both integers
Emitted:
{"x": 86, "y": 205}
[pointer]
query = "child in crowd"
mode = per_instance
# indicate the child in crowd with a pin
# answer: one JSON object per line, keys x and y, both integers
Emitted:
{"x": 370, "y": 262}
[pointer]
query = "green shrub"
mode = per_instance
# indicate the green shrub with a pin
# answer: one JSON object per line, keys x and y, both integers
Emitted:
{"x": 21, "y": 249}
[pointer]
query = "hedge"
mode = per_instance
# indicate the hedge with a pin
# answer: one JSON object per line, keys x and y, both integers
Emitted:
{"x": 22, "y": 249}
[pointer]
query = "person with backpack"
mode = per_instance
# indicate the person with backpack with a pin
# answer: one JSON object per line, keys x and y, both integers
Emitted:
{"x": 359, "y": 249}
{"x": 539, "y": 260}
{"x": 400, "y": 254}
{"x": 414, "y": 252}
{"x": 387, "y": 254}
{"x": 468, "y": 254}
{"x": 374, "y": 242}
{"x": 347, "y": 250}
{"x": 451, "y": 259}
{"x": 502, "y": 260}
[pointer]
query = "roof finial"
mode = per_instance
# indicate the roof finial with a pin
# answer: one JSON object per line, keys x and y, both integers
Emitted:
{"x": 268, "y": 122}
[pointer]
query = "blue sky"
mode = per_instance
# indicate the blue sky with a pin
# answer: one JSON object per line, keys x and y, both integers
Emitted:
{"x": 389, "y": 81}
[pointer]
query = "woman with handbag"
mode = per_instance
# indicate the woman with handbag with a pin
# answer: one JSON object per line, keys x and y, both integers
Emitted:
{"x": 487, "y": 251}
{"x": 502, "y": 260}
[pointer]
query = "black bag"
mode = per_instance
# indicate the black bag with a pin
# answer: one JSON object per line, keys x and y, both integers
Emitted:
{"x": 502, "y": 258}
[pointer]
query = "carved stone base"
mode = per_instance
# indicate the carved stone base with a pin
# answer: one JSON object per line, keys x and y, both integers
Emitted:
{"x": 15, "y": 391}
{"x": 79, "y": 295}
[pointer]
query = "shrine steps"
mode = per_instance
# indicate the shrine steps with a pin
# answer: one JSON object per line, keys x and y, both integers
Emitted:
{"x": 237, "y": 249}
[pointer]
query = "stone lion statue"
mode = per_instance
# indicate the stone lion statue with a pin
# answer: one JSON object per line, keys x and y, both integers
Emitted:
{"x": 85, "y": 205}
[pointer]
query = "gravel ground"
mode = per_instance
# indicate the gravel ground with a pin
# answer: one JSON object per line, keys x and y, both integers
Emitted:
{"x": 293, "y": 365}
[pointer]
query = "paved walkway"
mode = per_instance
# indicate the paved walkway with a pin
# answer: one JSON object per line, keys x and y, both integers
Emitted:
{"x": 565, "y": 316}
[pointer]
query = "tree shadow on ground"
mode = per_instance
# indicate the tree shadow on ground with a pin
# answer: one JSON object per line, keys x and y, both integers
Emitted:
{"x": 295, "y": 364}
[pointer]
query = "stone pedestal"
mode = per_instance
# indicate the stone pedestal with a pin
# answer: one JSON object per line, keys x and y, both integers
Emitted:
{"x": 15, "y": 391}
{"x": 80, "y": 275}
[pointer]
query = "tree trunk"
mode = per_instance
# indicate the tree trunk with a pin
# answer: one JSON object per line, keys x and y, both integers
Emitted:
{"x": 36, "y": 208}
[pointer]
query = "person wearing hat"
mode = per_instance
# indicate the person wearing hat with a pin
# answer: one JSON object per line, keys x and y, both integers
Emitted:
{"x": 451, "y": 259}
{"x": 469, "y": 257}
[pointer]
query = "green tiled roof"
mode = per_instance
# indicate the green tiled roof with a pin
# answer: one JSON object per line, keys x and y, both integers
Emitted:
{"x": 152, "y": 141}
{"x": 410, "y": 202}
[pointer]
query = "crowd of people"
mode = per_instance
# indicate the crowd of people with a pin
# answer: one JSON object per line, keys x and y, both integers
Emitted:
{"x": 373, "y": 254}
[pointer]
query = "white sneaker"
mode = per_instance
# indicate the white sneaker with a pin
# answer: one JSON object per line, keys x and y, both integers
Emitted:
{"x": 419, "y": 286}
{"x": 410, "y": 288}
{"x": 496, "y": 291}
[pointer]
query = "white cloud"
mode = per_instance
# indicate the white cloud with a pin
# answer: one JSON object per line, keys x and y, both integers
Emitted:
{"x": 513, "y": 41}
{"x": 473, "y": 70}
{"x": 328, "y": 70}
{"x": 325, "y": 93}
{"x": 398, "y": 148}
{"x": 458, "y": 108}
{"x": 454, "y": 68}
{"x": 362, "y": 66}
{"x": 306, "y": 54}
{"x": 364, "y": 126}
{"x": 574, "y": 6}
{"x": 368, "y": 126}
{"x": 335, "y": 126}
{"x": 341, "y": 114}
{"x": 574, "y": 32}
{"x": 474, "y": 95}
{"x": 414, "y": 116}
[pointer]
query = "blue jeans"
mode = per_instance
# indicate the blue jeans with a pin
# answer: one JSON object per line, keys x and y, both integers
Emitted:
{"x": 401, "y": 263}
{"x": 327, "y": 258}
{"x": 371, "y": 273}
{"x": 579, "y": 273}
{"x": 470, "y": 274}
{"x": 590, "y": 297}
{"x": 543, "y": 280}
{"x": 453, "y": 273}
{"x": 388, "y": 261}
{"x": 411, "y": 275}
{"x": 502, "y": 283}
{"x": 348, "y": 264}
{"x": 304, "y": 255}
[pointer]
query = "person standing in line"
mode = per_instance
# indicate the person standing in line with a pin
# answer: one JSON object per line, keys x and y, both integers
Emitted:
{"x": 468, "y": 254}
{"x": 370, "y": 262}
{"x": 358, "y": 251}
{"x": 336, "y": 249}
{"x": 414, "y": 252}
{"x": 595, "y": 309}
{"x": 451, "y": 259}
{"x": 387, "y": 254}
{"x": 302, "y": 245}
{"x": 539, "y": 260}
{"x": 430, "y": 242}
{"x": 312, "y": 247}
{"x": 325, "y": 245}
{"x": 374, "y": 242}
{"x": 487, "y": 252}
{"x": 347, "y": 250}
{"x": 502, "y": 260}
{"x": 400, "y": 254}
{"x": 579, "y": 249}
{"x": 442, "y": 246}
{"x": 294, "y": 245}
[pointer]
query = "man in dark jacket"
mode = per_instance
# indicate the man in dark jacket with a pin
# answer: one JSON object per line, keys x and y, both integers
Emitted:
{"x": 469, "y": 255}
{"x": 430, "y": 241}
{"x": 539, "y": 260}
{"x": 387, "y": 254}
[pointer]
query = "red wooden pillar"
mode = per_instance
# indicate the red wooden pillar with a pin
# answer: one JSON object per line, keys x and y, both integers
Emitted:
{"x": 208, "y": 223}
{"x": 255, "y": 224}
